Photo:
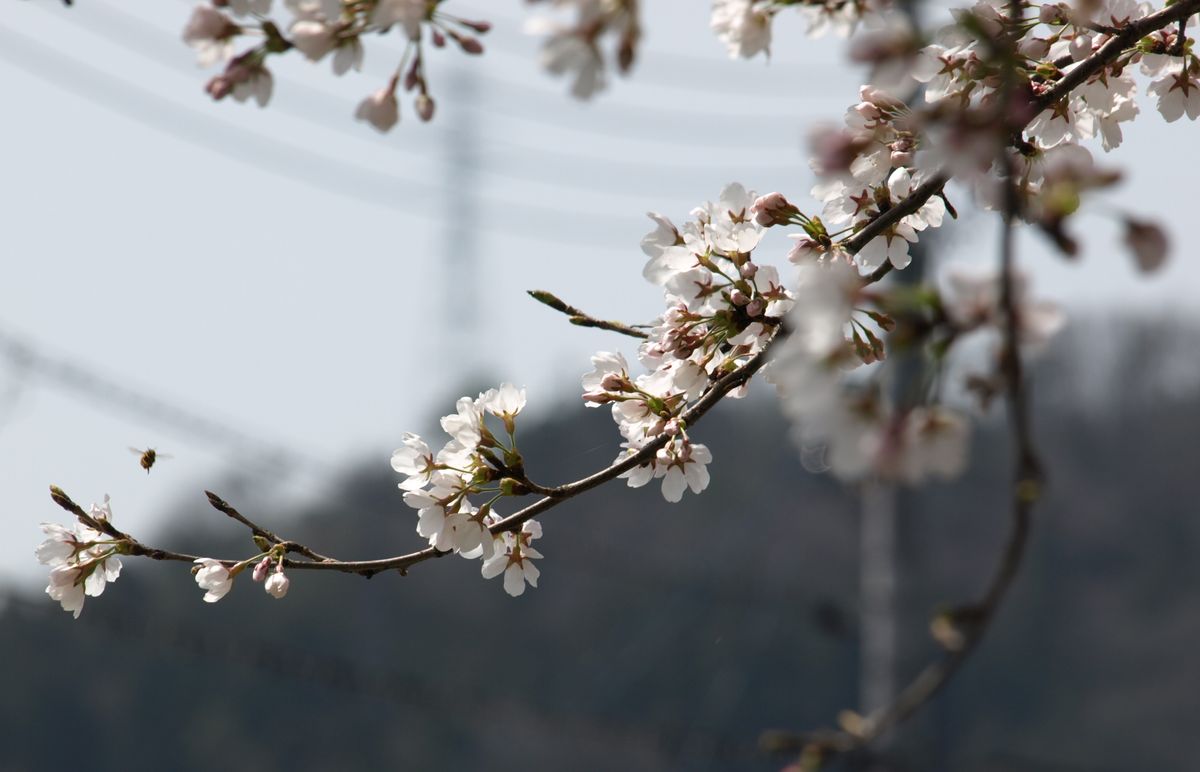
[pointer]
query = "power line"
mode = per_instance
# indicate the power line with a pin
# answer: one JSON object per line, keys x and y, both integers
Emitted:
{"x": 553, "y": 225}
{"x": 141, "y": 36}
{"x": 135, "y": 35}
{"x": 86, "y": 383}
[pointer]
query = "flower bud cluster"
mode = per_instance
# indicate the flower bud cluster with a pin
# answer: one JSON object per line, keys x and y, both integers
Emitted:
{"x": 325, "y": 28}
{"x": 722, "y": 308}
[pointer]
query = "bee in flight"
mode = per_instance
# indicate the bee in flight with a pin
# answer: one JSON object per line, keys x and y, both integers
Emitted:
{"x": 148, "y": 457}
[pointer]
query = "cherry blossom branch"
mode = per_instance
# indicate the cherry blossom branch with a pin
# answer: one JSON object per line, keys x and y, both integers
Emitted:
{"x": 1126, "y": 38}
{"x": 552, "y": 497}
{"x": 581, "y": 319}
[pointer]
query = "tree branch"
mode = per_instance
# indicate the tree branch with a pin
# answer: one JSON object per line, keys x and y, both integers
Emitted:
{"x": 581, "y": 319}
{"x": 402, "y": 563}
{"x": 1126, "y": 38}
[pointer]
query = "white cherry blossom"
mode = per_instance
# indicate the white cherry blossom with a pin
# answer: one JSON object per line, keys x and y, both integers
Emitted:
{"x": 513, "y": 557}
{"x": 683, "y": 467}
{"x": 505, "y": 402}
{"x": 214, "y": 578}
{"x": 415, "y": 461}
{"x": 211, "y": 33}
{"x": 744, "y": 26}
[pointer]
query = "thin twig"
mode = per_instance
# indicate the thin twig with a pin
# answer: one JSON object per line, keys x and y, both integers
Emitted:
{"x": 581, "y": 319}
{"x": 221, "y": 505}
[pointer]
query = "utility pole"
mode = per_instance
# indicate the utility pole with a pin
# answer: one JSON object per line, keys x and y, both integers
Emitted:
{"x": 459, "y": 243}
{"x": 881, "y": 561}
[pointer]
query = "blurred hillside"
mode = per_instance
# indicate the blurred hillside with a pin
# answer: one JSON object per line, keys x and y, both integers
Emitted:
{"x": 668, "y": 637}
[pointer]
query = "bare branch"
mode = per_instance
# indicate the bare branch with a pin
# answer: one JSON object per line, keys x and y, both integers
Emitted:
{"x": 581, "y": 319}
{"x": 221, "y": 505}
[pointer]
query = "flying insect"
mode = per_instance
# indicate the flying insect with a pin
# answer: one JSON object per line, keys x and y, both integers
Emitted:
{"x": 148, "y": 457}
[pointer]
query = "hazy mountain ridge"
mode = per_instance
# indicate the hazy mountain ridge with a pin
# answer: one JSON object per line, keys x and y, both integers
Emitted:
{"x": 662, "y": 636}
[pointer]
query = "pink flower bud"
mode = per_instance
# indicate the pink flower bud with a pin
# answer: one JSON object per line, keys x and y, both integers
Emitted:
{"x": 219, "y": 87}
{"x": 773, "y": 209}
{"x": 468, "y": 44}
{"x": 739, "y": 298}
{"x": 482, "y": 27}
{"x": 261, "y": 569}
{"x": 755, "y": 307}
{"x": 425, "y": 105}
{"x": 747, "y": 270}
{"x": 613, "y": 382}
{"x": 379, "y": 109}
{"x": 1052, "y": 13}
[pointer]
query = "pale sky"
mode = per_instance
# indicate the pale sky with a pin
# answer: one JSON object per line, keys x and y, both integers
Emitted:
{"x": 291, "y": 274}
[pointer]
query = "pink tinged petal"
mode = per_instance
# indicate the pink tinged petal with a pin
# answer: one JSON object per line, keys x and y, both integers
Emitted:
{"x": 514, "y": 580}
{"x": 664, "y": 235}
{"x": 419, "y": 499}
{"x": 697, "y": 477}
{"x": 874, "y": 254}
{"x": 349, "y": 56}
{"x": 380, "y": 109}
{"x": 431, "y": 521}
{"x": 673, "y": 485}
{"x": 66, "y": 588}
{"x": 639, "y": 475}
{"x": 112, "y": 568}
{"x": 494, "y": 566}
{"x": 531, "y": 571}
{"x": 443, "y": 540}
{"x": 897, "y": 252}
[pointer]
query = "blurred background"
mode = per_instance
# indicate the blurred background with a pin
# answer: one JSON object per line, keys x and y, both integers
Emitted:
{"x": 273, "y": 296}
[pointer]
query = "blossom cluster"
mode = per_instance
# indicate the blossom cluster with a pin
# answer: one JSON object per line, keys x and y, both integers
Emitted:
{"x": 82, "y": 560}
{"x": 744, "y": 26}
{"x": 1002, "y": 106}
{"x": 321, "y": 29}
{"x": 575, "y": 49}
{"x": 475, "y": 461}
{"x": 986, "y": 114}
{"x": 831, "y": 383}
{"x": 216, "y": 578}
{"x": 722, "y": 308}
